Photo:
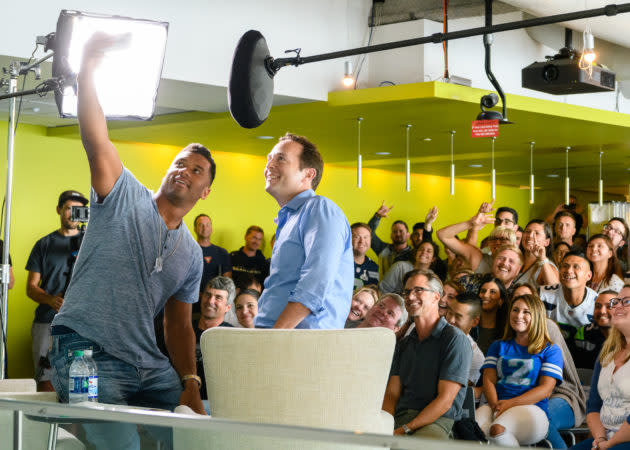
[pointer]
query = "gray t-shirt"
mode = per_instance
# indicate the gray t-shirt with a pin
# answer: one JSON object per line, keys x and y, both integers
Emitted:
{"x": 444, "y": 355}
{"x": 115, "y": 292}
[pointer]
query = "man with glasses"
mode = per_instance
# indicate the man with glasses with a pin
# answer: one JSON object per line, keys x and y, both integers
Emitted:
{"x": 426, "y": 387}
{"x": 617, "y": 230}
{"x": 587, "y": 342}
{"x": 571, "y": 303}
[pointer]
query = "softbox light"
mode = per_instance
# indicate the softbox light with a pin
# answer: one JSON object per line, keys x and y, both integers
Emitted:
{"x": 128, "y": 78}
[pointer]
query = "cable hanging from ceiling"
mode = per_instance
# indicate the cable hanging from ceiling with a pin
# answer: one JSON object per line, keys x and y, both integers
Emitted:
{"x": 601, "y": 181}
{"x": 566, "y": 176}
{"x": 531, "y": 172}
{"x": 408, "y": 162}
{"x": 359, "y": 157}
{"x": 452, "y": 165}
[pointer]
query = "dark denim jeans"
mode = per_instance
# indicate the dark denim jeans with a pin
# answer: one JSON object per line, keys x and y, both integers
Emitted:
{"x": 560, "y": 417}
{"x": 119, "y": 383}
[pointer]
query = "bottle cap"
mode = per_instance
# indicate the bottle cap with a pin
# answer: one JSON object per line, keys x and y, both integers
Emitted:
{"x": 78, "y": 353}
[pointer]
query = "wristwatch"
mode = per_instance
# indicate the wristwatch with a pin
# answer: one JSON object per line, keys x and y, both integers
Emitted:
{"x": 407, "y": 429}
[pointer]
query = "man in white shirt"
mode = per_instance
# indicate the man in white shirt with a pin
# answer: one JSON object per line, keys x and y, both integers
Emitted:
{"x": 571, "y": 303}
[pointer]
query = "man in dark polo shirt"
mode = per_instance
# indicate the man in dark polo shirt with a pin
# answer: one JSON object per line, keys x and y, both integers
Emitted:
{"x": 429, "y": 372}
{"x": 216, "y": 260}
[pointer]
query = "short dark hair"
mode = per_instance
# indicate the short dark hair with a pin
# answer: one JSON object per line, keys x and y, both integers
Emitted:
{"x": 252, "y": 292}
{"x": 396, "y": 222}
{"x": 310, "y": 158}
{"x": 418, "y": 226}
{"x": 579, "y": 254}
{"x": 203, "y": 151}
{"x": 509, "y": 210}
{"x": 199, "y": 217}
{"x": 356, "y": 225}
{"x": 255, "y": 228}
{"x": 472, "y": 299}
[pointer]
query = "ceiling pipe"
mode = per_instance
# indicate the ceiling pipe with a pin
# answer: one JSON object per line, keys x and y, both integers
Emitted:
{"x": 487, "y": 43}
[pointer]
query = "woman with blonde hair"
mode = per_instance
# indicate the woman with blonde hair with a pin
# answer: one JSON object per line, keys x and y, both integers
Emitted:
{"x": 608, "y": 405}
{"x": 519, "y": 375}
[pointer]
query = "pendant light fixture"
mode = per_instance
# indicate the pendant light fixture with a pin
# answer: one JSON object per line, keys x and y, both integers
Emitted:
{"x": 566, "y": 176}
{"x": 601, "y": 181}
{"x": 408, "y": 166}
{"x": 531, "y": 172}
{"x": 493, "y": 185}
{"x": 359, "y": 157}
{"x": 452, "y": 165}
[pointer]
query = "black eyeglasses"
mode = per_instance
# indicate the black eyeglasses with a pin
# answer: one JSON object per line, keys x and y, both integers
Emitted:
{"x": 416, "y": 291}
{"x": 608, "y": 227}
{"x": 614, "y": 302}
{"x": 498, "y": 221}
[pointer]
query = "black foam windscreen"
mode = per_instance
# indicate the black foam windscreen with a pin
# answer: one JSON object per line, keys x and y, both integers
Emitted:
{"x": 250, "y": 91}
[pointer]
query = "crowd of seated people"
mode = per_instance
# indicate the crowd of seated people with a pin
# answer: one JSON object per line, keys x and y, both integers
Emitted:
{"x": 512, "y": 319}
{"x": 533, "y": 307}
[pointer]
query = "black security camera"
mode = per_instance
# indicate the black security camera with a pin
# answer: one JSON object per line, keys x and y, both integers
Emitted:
{"x": 489, "y": 100}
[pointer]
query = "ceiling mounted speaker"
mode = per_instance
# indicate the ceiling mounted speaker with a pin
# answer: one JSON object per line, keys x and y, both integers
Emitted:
{"x": 250, "y": 91}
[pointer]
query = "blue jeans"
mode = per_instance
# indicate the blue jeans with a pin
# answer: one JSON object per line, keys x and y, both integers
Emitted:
{"x": 119, "y": 383}
{"x": 560, "y": 416}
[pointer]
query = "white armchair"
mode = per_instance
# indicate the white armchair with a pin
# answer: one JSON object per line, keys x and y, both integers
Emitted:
{"x": 332, "y": 379}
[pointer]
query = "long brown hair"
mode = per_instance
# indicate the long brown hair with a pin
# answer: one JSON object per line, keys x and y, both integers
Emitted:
{"x": 613, "y": 267}
{"x": 537, "y": 335}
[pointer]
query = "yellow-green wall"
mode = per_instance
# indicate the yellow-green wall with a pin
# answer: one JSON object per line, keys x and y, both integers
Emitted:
{"x": 45, "y": 166}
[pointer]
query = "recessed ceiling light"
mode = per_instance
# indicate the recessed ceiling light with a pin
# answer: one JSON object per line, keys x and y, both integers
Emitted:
{"x": 36, "y": 109}
{"x": 264, "y": 137}
{"x": 553, "y": 175}
{"x": 475, "y": 165}
{"x": 427, "y": 139}
{"x": 382, "y": 153}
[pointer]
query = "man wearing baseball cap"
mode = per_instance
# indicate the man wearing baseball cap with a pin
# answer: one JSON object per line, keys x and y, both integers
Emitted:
{"x": 49, "y": 269}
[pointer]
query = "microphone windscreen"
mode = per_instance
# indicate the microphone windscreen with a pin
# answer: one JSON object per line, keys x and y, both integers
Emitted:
{"x": 250, "y": 90}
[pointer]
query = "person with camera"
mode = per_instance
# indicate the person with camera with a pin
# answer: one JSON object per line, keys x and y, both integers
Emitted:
{"x": 49, "y": 269}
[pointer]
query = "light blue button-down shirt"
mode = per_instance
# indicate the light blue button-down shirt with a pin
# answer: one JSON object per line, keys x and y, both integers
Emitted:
{"x": 311, "y": 264}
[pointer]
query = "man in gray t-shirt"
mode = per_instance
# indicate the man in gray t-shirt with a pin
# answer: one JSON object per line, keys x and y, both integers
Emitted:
{"x": 137, "y": 257}
{"x": 429, "y": 374}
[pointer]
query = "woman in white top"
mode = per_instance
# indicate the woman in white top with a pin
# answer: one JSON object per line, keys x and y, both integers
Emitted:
{"x": 606, "y": 269}
{"x": 538, "y": 268}
{"x": 608, "y": 405}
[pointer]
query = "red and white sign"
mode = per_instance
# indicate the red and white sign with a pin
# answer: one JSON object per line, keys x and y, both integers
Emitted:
{"x": 485, "y": 128}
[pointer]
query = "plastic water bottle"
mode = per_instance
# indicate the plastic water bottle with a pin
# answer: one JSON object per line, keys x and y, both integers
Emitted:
{"x": 78, "y": 379}
{"x": 93, "y": 376}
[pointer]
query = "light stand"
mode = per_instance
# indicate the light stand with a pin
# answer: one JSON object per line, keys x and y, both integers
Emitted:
{"x": 15, "y": 70}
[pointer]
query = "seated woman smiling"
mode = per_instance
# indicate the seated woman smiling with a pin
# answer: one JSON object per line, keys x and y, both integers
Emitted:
{"x": 519, "y": 375}
{"x": 246, "y": 305}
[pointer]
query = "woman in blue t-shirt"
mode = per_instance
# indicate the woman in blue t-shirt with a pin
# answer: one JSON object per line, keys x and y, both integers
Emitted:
{"x": 519, "y": 374}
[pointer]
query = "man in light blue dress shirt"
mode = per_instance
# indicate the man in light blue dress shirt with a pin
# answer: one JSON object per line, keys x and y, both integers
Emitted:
{"x": 311, "y": 275}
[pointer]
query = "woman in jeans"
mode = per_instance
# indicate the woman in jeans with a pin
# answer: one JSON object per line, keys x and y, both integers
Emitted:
{"x": 519, "y": 375}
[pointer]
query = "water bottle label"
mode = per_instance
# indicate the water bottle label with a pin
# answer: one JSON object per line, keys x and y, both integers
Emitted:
{"x": 93, "y": 388}
{"x": 85, "y": 385}
{"x": 76, "y": 385}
